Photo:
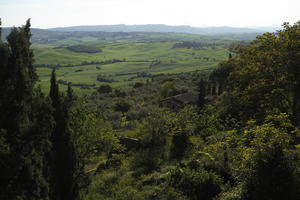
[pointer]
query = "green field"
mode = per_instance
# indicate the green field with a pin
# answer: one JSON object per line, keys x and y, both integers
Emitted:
{"x": 150, "y": 57}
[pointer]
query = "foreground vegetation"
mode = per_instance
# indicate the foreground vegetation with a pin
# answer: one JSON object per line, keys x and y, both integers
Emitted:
{"x": 239, "y": 141}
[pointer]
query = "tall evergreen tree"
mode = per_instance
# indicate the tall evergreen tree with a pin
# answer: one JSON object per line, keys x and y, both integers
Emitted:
{"x": 25, "y": 122}
{"x": 55, "y": 138}
{"x": 64, "y": 159}
{"x": 54, "y": 91}
{"x": 72, "y": 162}
{"x": 201, "y": 93}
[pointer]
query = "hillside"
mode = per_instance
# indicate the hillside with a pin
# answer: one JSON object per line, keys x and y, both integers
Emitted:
{"x": 123, "y": 61}
{"x": 44, "y": 36}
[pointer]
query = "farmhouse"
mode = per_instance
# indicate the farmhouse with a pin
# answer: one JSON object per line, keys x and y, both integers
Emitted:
{"x": 177, "y": 102}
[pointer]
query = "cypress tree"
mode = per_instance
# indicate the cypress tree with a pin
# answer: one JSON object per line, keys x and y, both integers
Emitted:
{"x": 201, "y": 93}
{"x": 64, "y": 158}
{"x": 72, "y": 162}
{"x": 25, "y": 122}
{"x": 55, "y": 138}
{"x": 54, "y": 91}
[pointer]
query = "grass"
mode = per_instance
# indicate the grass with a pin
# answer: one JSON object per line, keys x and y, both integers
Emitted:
{"x": 45, "y": 54}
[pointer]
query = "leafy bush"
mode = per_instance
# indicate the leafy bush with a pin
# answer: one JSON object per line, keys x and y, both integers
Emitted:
{"x": 138, "y": 84}
{"x": 153, "y": 135}
{"x": 270, "y": 175}
{"x": 120, "y": 93}
{"x": 122, "y": 106}
{"x": 196, "y": 184}
{"x": 168, "y": 89}
{"x": 104, "y": 89}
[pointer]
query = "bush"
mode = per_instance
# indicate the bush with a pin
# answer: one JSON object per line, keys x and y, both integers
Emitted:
{"x": 122, "y": 106}
{"x": 270, "y": 176}
{"x": 196, "y": 184}
{"x": 138, "y": 84}
{"x": 142, "y": 113}
{"x": 104, "y": 89}
{"x": 132, "y": 115}
{"x": 153, "y": 135}
{"x": 168, "y": 89}
{"x": 120, "y": 93}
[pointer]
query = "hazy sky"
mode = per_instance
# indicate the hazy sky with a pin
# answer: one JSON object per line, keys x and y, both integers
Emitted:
{"x": 239, "y": 13}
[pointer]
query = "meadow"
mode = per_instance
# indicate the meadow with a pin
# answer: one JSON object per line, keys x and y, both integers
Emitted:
{"x": 134, "y": 57}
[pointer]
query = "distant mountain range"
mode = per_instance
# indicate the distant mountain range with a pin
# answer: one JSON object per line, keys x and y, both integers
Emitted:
{"x": 166, "y": 28}
{"x": 142, "y": 33}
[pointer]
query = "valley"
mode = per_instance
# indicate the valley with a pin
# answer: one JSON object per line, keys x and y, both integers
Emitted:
{"x": 122, "y": 60}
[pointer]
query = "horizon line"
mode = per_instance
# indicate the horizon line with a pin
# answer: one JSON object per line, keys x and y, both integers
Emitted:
{"x": 182, "y": 25}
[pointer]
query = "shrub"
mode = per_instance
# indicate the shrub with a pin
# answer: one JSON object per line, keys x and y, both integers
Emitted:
{"x": 153, "y": 135}
{"x": 270, "y": 176}
{"x": 122, "y": 106}
{"x": 138, "y": 84}
{"x": 104, "y": 89}
{"x": 120, "y": 93}
{"x": 196, "y": 184}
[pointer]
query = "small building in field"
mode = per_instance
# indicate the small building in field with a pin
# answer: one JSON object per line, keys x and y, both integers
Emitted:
{"x": 177, "y": 102}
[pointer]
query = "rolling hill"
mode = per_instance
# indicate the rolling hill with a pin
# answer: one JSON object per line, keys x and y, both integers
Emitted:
{"x": 122, "y": 52}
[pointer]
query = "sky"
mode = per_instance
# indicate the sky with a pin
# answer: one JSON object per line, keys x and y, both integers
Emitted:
{"x": 236, "y": 13}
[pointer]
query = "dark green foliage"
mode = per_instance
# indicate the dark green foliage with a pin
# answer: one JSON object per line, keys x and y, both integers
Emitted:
{"x": 271, "y": 176}
{"x": 168, "y": 89}
{"x": 290, "y": 36}
{"x": 122, "y": 106}
{"x": 196, "y": 184}
{"x": 55, "y": 97}
{"x": 120, "y": 93}
{"x": 153, "y": 137}
{"x": 84, "y": 49}
{"x": 263, "y": 76}
{"x": 219, "y": 75}
{"x": 104, "y": 89}
{"x": 64, "y": 161}
{"x": 183, "y": 127}
{"x": 138, "y": 84}
{"x": 78, "y": 136}
{"x": 25, "y": 122}
{"x": 180, "y": 143}
{"x": 201, "y": 93}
